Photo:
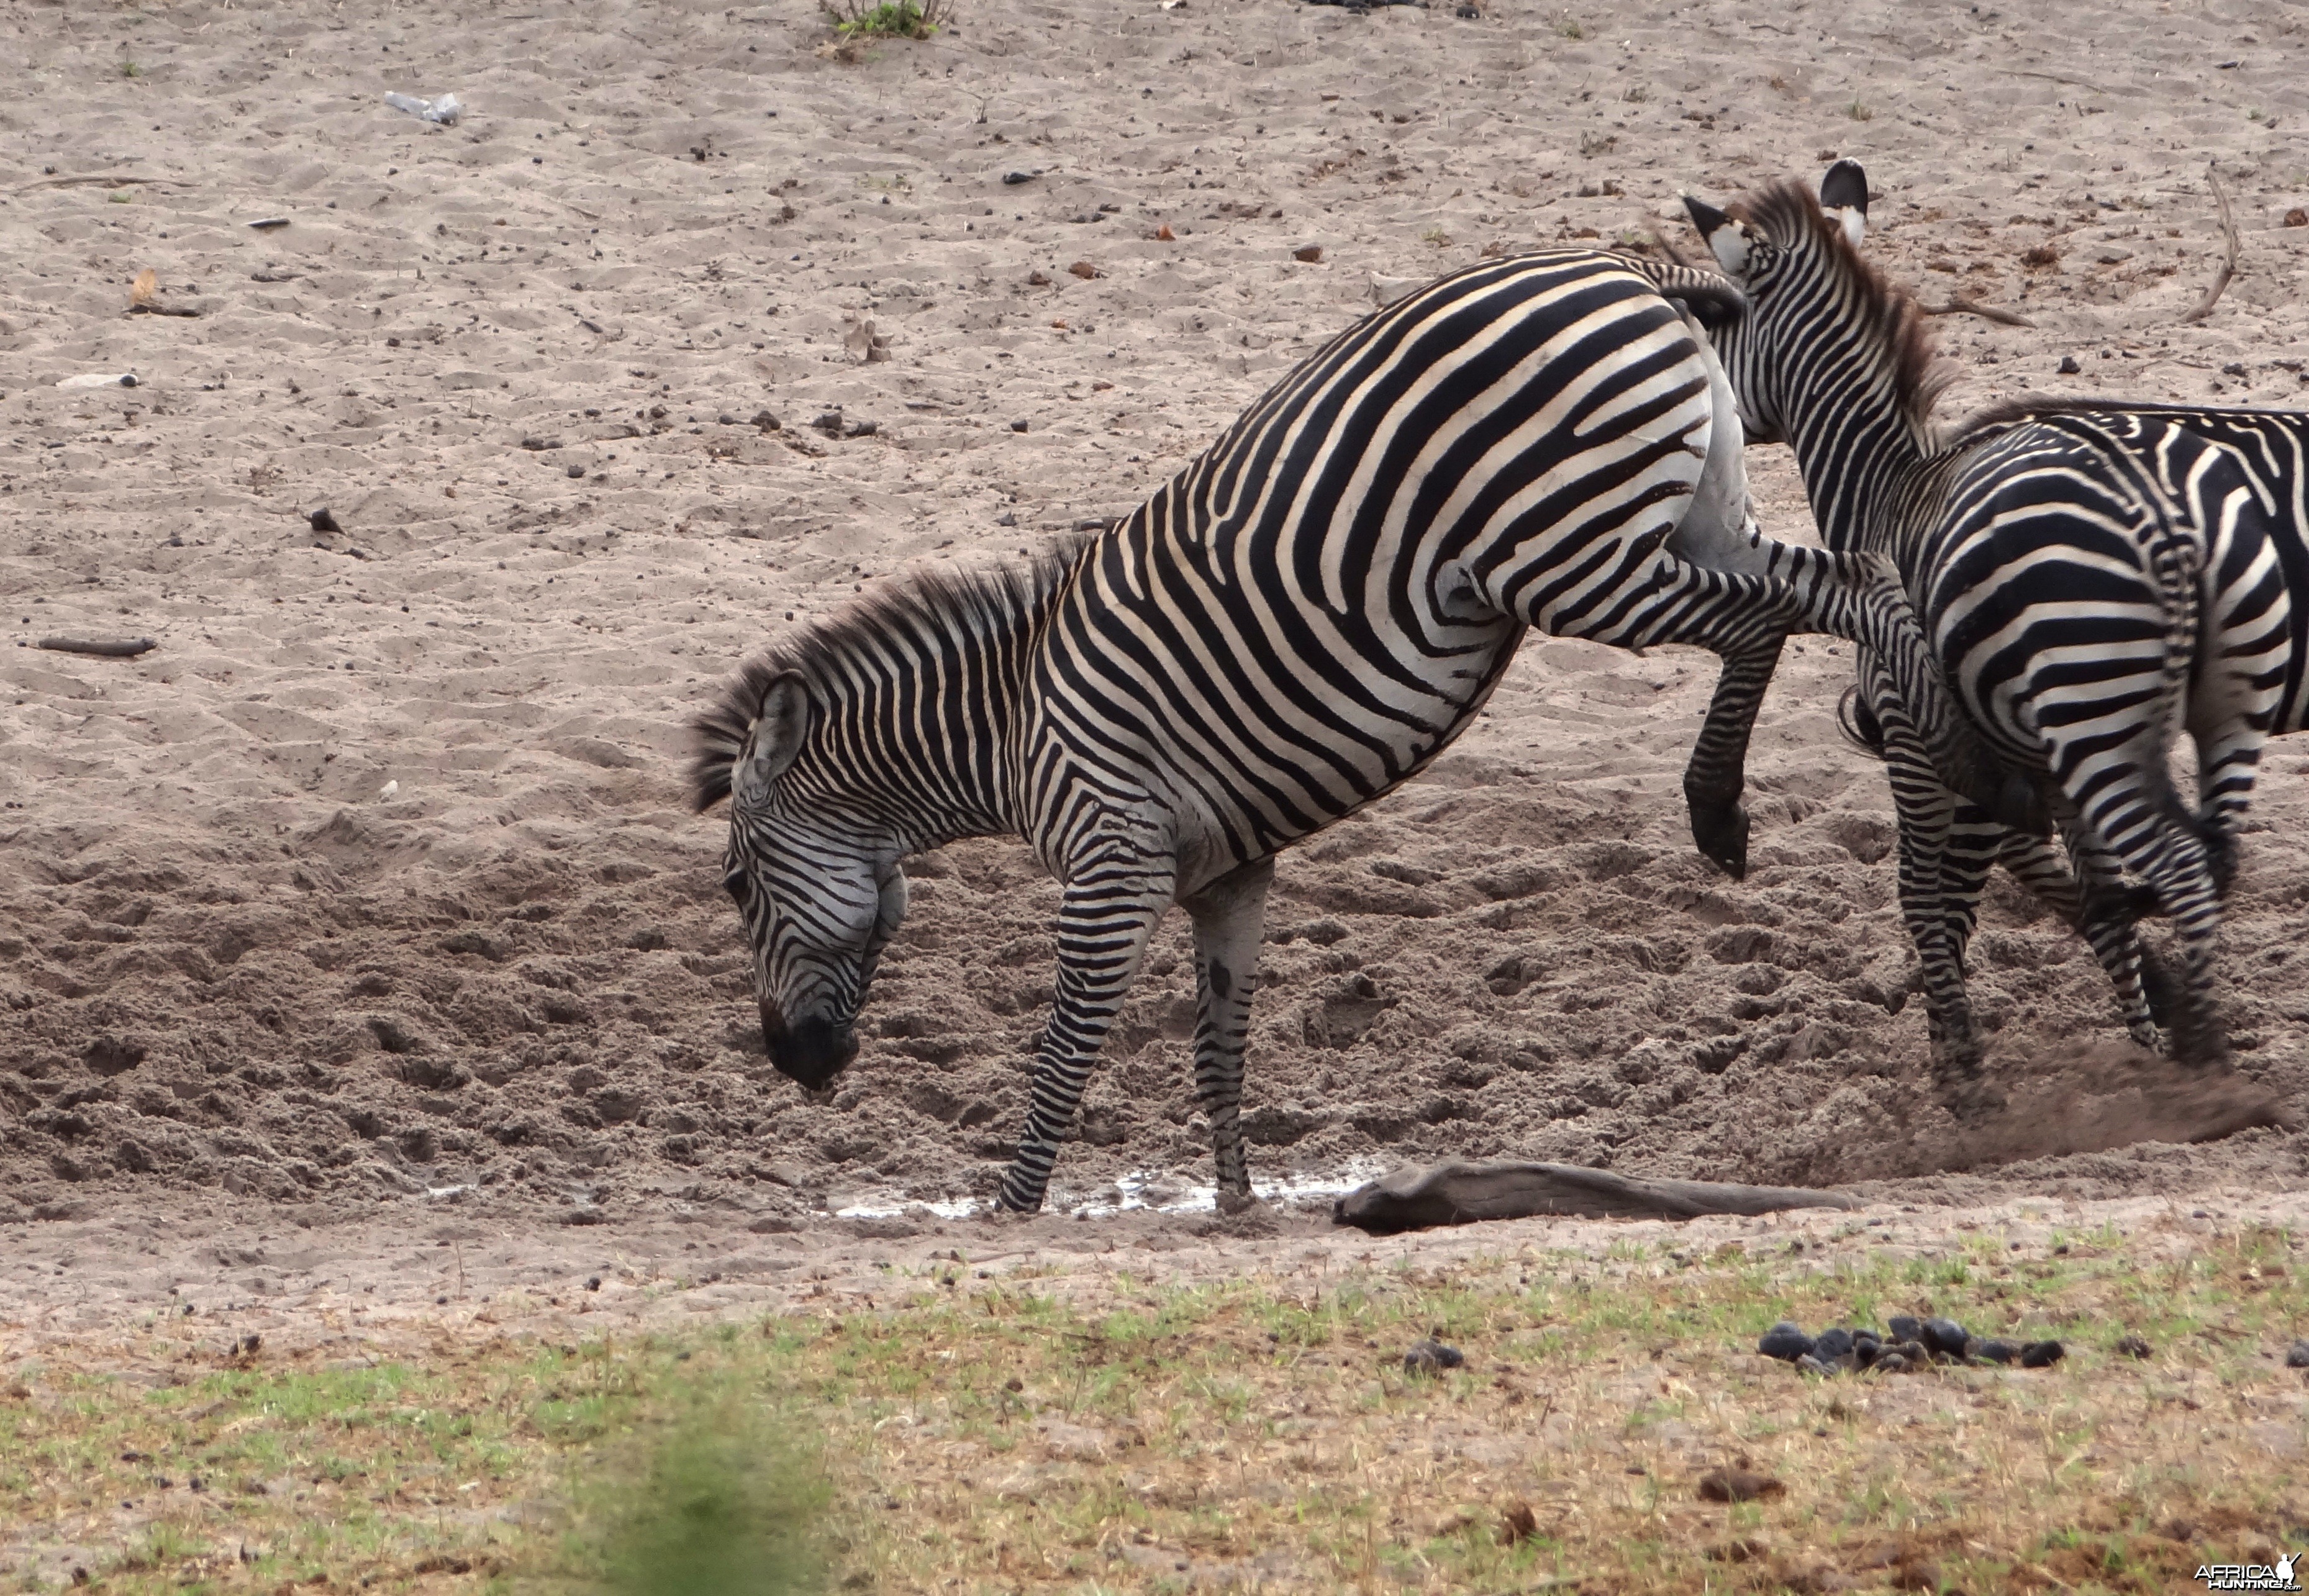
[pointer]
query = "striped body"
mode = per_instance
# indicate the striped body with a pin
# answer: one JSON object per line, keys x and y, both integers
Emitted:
{"x": 2086, "y": 581}
{"x": 1290, "y": 628}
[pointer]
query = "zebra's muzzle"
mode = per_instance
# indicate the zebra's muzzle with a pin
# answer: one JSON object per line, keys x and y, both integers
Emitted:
{"x": 811, "y": 1053}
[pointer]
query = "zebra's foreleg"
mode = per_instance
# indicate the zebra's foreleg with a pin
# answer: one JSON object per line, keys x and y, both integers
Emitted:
{"x": 1109, "y": 911}
{"x": 1228, "y": 915}
{"x": 1927, "y": 813}
{"x": 1715, "y": 775}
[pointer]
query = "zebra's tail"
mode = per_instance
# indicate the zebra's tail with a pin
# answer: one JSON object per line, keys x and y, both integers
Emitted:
{"x": 2178, "y": 566}
{"x": 1858, "y": 723}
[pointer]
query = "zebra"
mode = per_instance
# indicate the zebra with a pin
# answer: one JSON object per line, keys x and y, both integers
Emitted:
{"x": 1294, "y": 624}
{"x": 2086, "y": 579}
{"x": 2273, "y": 447}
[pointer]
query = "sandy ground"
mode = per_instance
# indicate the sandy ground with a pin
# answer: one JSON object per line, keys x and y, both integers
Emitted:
{"x": 364, "y": 913}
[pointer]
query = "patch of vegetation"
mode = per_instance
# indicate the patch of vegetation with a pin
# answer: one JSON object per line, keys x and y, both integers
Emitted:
{"x": 1045, "y": 1430}
{"x": 865, "y": 21}
{"x": 1859, "y": 112}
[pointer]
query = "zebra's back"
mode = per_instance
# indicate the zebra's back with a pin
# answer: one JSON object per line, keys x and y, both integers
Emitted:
{"x": 1306, "y": 615}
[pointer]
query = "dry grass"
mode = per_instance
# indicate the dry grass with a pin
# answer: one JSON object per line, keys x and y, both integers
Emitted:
{"x": 990, "y": 1437}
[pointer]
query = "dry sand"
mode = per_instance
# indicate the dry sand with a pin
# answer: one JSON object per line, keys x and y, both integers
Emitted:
{"x": 375, "y": 879}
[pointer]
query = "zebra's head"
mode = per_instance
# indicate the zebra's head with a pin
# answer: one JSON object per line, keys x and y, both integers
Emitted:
{"x": 1797, "y": 261}
{"x": 817, "y": 882}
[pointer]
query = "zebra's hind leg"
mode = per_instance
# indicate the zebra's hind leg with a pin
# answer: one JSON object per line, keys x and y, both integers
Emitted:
{"x": 1112, "y": 903}
{"x": 1228, "y": 916}
{"x": 2105, "y": 924}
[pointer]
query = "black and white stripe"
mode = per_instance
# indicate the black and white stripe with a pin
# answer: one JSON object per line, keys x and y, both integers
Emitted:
{"x": 1290, "y": 628}
{"x": 2087, "y": 580}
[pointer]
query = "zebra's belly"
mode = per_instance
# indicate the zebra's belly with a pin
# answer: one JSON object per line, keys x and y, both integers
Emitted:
{"x": 1242, "y": 716}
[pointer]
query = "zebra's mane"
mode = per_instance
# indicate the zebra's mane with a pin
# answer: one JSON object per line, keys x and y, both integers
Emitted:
{"x": 924, "y": 602}
{"x": 1785, "y": 212}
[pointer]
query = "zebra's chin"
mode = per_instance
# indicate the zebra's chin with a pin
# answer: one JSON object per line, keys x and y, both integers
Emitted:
{"x": 812, "y": 1053}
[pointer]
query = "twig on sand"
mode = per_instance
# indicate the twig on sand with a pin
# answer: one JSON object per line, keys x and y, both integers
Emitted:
{"x": 1958, "y": 304}
{"x": 101, "y": 181}
{"x": 2229, "y": 253}
{"x": 125, "y": 649}
{"x": 1660, "y": 242}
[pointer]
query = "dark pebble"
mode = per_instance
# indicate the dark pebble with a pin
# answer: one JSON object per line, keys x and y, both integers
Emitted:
{"x": 1015, "y": 177}
{"x": 1992, "y": 1351}
{"x": 2133, "y": 1346}
{"x": 1832, "y": 1344}
{"x": 1905, "y": 1328}
{"x": 2069, "y": 366}
{"x": 2297, "y": 1355}
{"x": 2041, "y": 1354}
{"x": 1017, "y": 427}
{"x": 323, "y": 521}
{"x": 1945, "y": 1336}
{"x": 1866, "y": 1350}
{"x": 1813, "y": 1366}
{"x": 1786, "y": 1342}
{"x": 1431, "y": 1357}
{"x": 765, "y": 421}
{"x": 1890, "y": 1363}
{"x": 577, "y": 470}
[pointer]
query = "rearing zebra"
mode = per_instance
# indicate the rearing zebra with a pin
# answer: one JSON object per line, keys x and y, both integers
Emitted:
{"x": 1292, "y": 626}
{"x": 2085, "y": 580}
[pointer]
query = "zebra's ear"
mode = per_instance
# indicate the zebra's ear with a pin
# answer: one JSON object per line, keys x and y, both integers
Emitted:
{"x": 772, "y": 741}
{"x": 1727, "y": 239}
{"x": 1844, "y": 198}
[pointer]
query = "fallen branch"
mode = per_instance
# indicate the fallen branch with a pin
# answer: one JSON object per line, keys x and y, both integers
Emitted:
{"x": 161, "y": 310}
{"x": 1961, "y": 305}
{"x": 2228, "y": 254}
{"x": 1417, "y": 1195}
{"x": 102, "y": 182}
{"x": 127, "y": 648}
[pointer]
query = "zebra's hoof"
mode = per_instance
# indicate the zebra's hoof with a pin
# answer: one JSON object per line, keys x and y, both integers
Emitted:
{"x": 1720, "y": 830}
{"x": 1231, "y": 1203}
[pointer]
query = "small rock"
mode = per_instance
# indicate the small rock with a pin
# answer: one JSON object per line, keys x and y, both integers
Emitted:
{"x": 829, "y": 423}
{"x": 1431, "y": 1357}
{"x": 593, "y": 1283}
{"x": 2133, "y": 1346}
{"x": 1738, "y": 1485}
{"x": 577, "y": 470}
{"x": 2236, "y": 369}
{"x": 1085, "y": 271}
{"x": 765, "y": 421}
{"x": 2069, "y": 366}
{"x": 2296, "y": 218}
{"x": 1811, "y": 1365}
{"x": 1518, "y": 1524}
{"x": 1309, "y": 252}
{"x": 1890, "y": 1363}
{"x": 1992, "y": 1351}
{"x": 1038, "y": 280}
{"x": 727, "y": 419}
{"x": 1785, "y": 1342}
{"x": 1017, "y": 178}
{"x": 1944, "y": 1336}
{"x": 2297, "y": 1355}
{"x": 1017, "y": 427}
{"x": 1866, "y": 1350}
{"x": 1006, "y": 519}
{"x": 323, "y": 521}
{"x": 1905, "y": 1328}
{"x": 2041, "y": 1354}
{"x": 1832, "y": 1344}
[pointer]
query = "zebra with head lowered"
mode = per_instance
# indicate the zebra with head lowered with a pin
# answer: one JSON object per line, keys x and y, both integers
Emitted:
{"x": 1290, "y": 628}
{"x": 2087, "y": 580}
{"x": 2272, "y": 448}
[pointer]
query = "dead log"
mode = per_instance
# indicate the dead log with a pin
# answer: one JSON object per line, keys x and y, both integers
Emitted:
{"x": 125, "y": 649}
{"x": 1419, "y": 1195}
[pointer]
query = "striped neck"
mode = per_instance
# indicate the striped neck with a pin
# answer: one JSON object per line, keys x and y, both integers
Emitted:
{"x": 916, "y": 698}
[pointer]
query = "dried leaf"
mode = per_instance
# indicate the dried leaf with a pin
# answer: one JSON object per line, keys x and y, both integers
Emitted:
{"x": 1166, "y": 235}
{"x": 146, "y": 289}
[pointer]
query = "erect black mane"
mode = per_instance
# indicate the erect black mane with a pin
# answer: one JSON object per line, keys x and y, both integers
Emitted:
{"x": 926, "y": 601}
{"x": 1783, "y": 211}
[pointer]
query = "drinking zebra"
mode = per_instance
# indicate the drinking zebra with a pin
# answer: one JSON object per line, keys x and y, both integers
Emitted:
{"x": 2086, "y": 578}
{"x": 1292, "y": 626}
